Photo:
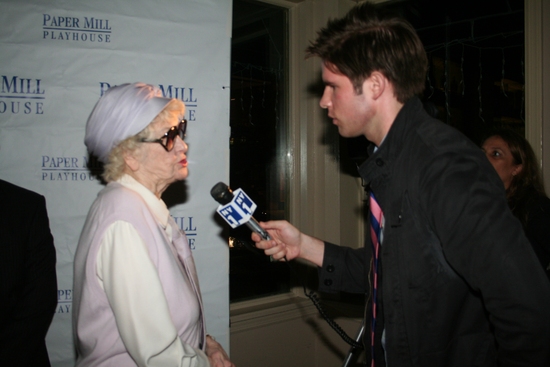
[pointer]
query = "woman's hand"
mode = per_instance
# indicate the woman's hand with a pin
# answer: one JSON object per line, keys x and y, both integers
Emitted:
{"x": 216, "y": 355}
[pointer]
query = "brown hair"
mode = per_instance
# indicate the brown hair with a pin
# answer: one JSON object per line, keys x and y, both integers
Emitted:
{"x": 367, "y": 40}
{"x": 526, "y": 185}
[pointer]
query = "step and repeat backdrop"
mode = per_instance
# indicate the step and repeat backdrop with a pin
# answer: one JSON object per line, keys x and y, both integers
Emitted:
{"x": 56, "y": 59}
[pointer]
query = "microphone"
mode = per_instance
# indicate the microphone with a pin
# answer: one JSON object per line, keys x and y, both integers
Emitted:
{"x": 237, "y": 208}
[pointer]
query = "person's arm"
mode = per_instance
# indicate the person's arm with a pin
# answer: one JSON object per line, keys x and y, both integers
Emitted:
{"x": 132, "y": 285}
{"x": 216, "y": 354}
{"x": 340, "y": 268}
{"x": 345, "y": 269}
{"x": 33, "y": 313}
{"x": 288, "y": 242}
{"x": 41, "y": 292}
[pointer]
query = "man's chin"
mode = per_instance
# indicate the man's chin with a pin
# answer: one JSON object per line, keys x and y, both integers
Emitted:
{"x": 347, "y": 134}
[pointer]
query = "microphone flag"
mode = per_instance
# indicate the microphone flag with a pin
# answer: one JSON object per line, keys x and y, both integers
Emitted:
{"x": 239, "y": 210}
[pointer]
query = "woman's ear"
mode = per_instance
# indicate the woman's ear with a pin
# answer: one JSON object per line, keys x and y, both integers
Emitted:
{"x": 131, "y": 160}
{"x": 517, "y": 169}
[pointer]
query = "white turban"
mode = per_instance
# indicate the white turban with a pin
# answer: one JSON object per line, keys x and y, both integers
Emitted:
{"x": 123, "y": 111}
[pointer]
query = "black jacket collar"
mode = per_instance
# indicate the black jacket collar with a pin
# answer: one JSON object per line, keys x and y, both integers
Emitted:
{"x": 377, "y": 164}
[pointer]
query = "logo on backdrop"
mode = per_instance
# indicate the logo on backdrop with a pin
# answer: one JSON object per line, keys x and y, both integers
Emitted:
{"x": 21, "y": 95}
{"x": 187, "y": 224}
{"x": 64, "y": 300}
{"x": 78, "y": 29}
{"x": 65, "y": 168}
{"x": 186, "y": 94}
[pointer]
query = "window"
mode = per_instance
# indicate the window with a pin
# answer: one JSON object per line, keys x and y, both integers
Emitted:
{"x": 476, "y": 61}
{"x": 258, "y": 142}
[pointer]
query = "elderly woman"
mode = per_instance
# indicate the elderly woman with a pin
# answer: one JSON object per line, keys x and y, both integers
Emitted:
{"x": 136, "y": 294}
{"x": 514, "y": 160}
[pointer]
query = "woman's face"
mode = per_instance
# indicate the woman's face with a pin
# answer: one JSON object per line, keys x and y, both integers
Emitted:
{"x": 499, "y": 154}
{"x": 157, "y": 168}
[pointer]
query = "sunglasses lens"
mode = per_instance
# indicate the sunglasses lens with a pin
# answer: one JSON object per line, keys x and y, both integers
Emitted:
{"x": 171, "y": 136}
{"x": 174, "y": 132}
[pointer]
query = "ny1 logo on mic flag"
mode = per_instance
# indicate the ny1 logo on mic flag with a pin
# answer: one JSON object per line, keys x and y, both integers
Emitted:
{"x": 239, "y": 210}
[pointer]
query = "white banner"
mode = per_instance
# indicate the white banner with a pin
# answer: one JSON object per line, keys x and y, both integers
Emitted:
{"x": 56, "y": 60}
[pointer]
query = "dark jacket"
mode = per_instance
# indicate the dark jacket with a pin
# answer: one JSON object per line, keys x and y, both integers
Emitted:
{"x": 461, "y": 285}
{"x": 537, "y": 230}
{"x": 28, "y": 284}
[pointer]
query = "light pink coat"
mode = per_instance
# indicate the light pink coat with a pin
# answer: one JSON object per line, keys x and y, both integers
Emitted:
{"x": 94, "y": 325}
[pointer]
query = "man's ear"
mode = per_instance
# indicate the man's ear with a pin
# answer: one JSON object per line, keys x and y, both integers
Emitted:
{"x": 376, "y": 84}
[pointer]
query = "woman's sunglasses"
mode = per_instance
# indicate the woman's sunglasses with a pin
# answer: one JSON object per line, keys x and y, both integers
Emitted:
{"x": 170, "y": 136}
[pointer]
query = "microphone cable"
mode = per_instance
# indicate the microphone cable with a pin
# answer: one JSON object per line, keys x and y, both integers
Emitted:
{"x": 224, "y": 195}
{"x": 317, "y": 302}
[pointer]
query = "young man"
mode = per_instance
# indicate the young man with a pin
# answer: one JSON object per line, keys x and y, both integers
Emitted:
{"x": 457, "y": 282}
